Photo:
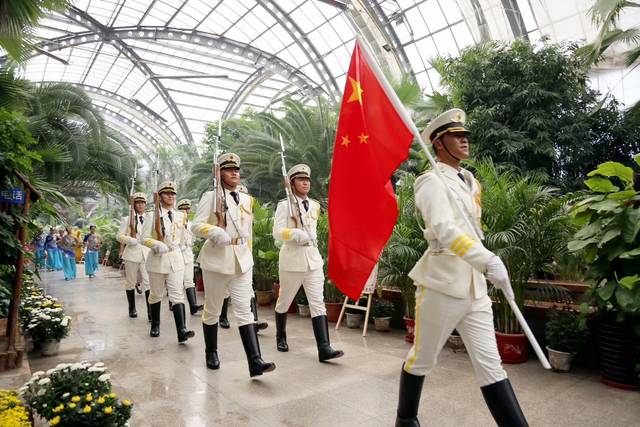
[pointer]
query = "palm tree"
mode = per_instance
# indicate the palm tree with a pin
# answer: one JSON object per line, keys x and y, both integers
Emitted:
{"x": 18, "y": 18}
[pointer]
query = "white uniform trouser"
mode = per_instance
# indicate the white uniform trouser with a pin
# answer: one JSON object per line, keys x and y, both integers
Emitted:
{"x": 313, "y": 282}
{"x": 437, "y": 315}
{"x": 188, "y": 275}
{"x": 173, "y": 284}
{"x": 131, "y": 272}
{"x": 217, "y": 286}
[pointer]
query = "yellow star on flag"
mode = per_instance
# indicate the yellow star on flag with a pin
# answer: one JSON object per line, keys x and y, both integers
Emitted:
{"x": 363, "y": 138}
{"x": 356, "y": 91}
{"x": 345, "y": 141}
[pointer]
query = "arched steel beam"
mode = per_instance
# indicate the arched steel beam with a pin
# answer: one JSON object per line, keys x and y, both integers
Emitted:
{"x": 133, "y": 147}
{"x": 259, "y": 58}
{"x": 244, "y": 91}
{"x": 103, "y": 32}
{"x": 144, "y": 114}
{"x": 301, "y": 39}
{"x": 130, "y": 128}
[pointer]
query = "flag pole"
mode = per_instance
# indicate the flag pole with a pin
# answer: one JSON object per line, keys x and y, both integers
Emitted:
{"x": 406, "y": 118}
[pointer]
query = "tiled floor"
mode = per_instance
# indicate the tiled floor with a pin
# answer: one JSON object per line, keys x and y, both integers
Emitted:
{"x": 171, "y": 386}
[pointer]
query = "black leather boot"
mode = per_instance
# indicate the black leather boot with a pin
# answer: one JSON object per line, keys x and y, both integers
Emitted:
{"x": 321, "y": 331}
{"x": 138, "y": 290}
{"x": 224, "y": 320}
{"x": 194, "y": 308}
{"x": 281, "y": 332}
{"x": 155, "y": 319}
{"x": 254, "y": 310}
{"x": 249, "y": 337}
{"x": 146, "y": 299}
{"x": 409, "y": 400}
{"x": 503, "y": 404}
{"x": 170, "y": 306}
{"x": 211, "y": 345}
{"x": 179, "y": 317}
{"x": 131, "y": 299}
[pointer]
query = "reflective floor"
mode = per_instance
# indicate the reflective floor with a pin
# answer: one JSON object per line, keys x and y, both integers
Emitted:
{"x": 171, "y": 386}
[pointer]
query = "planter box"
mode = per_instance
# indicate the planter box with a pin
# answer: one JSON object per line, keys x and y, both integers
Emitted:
{"x": 512, "y": 347}
{"x": 382, "y": 324}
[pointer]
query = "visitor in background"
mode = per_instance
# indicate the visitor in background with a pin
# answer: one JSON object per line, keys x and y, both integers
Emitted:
{"x": 68, "y": 243}
{"x": 92, "y": 246}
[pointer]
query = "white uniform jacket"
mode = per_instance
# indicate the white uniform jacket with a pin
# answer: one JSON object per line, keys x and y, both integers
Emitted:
{"x": 173, "y": 260}
{"x": 295, "y": 257}
{"x": 235, "y": 257}
{"x": 455, "y": 261}
{"x": 137, "y": 253}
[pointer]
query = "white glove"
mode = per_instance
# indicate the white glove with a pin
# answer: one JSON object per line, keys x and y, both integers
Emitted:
{"x": 218, "y": 236}
{"x": 301, "y": 237}
{"x": 498, "y": 275}
{"x": 132, "y": 241}
{"x": 159, "y": 248}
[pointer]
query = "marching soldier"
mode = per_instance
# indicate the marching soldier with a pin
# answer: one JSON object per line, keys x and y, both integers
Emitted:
{"x": 134, "y": 254}
{"x": 451, "y": 291}
{"x": 226, "y": 262}
{"x": 165, "y": 264}
{"x": 184, "y": 205}
{"x": 300, "y": 262}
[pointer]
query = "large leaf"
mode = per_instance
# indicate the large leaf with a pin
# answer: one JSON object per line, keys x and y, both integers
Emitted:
{"x": 576, "y": 245}
{"x": 622, "y": 195}
{"x": 600, "y": 185}
{"x": 609, "y": 235}
{"x": 606, "y": 291}
{"x": 629, "y": 282}
{"x": 616, "y": 169}
{"x": 606, "y": 205}
{"x": 631, "y": 254}
{"x": 589, "y": 231}
{"x": 631, "y": 225}
{"x": 628, "y": 300}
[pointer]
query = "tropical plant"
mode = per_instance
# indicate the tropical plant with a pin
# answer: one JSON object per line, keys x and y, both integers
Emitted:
{"x": 265, "y": 268}
{"x": 405, "y": 246}
{"x": 18, "y": 18}
{"x": 609, "y": 239}
{"x": 383, "y": 308}
{"x": 566, "y": 332}
{"x": 526, "y": 224}
{"x": 531, "y": 106}
{"x": 76, "y": 394}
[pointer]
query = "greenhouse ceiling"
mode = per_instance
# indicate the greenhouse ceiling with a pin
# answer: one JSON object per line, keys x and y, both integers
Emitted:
{"x": 160, "y": 70}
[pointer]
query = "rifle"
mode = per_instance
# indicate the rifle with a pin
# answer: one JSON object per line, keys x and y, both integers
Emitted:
{"x": 287, "y": 189}
{"x": 132, "y": 213}
{"x": 158, "y": 227}
{"x": 217, "y": 201}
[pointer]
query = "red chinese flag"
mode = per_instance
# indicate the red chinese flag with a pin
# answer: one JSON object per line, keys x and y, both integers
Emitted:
{"x": 372, "y": 140}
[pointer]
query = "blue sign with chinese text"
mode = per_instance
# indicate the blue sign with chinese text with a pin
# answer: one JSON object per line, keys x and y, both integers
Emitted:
{"x": 14, "y": 196}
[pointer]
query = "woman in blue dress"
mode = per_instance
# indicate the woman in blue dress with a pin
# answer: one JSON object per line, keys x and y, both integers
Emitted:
{"x": 92, "y": 246}
{"x": 67, "y": 246}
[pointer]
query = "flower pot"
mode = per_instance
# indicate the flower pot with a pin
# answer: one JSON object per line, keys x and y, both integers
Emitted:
{"x": 382, "y": 324}
{"x": 560, "y": 361}
{"x": 619, "y": 348}
{"x": 199, "y": 281}
{"x": 264, "y": 297}
{"x": 50, "y": 348}
{"x": 410, "y": 324}
{"x": 354, "y": 320}
{"x": 455, "y": 343}
{"x": 304, "y": 310}
{"x": 333, "y": 310}
{"x": 512, "y": 347}
{"x": 29, "y": 345}
{"x": 292, "y": 308}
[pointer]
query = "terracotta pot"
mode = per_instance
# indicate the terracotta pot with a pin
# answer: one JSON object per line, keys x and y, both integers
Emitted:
{"x": 264, "y": 297}
{"x": 333, "y": 310}
{"x": 304, "y": 310}
{"x": 354, "y": 320}
{"x": 50, "y": 348}
{"x": 560, "y": 361}
{"x": 410, "y": 324}
{"x": 382, "y": 324}
{"x": 199, "y": 281}
{"x": 512, "y": 347}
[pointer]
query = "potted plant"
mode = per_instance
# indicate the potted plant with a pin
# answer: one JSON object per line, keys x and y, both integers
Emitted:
{"x": 609, "y": 241}
{"x": 265, "y": 268}
{"x": 382, "y": 312}
{"x": 527, "y": 226}
{"x": 454, "y": 342}
{"x": 43, "y": 319}
{"x": 354, "y": 318}
{"x": 566, "y": 334}
{"x": 77, "y": 394}
{"x": 403, "y": 250}
{"x": 303, "y": 304}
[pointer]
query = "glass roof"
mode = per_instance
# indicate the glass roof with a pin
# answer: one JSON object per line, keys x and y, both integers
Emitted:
{"x": 163, "y": 69}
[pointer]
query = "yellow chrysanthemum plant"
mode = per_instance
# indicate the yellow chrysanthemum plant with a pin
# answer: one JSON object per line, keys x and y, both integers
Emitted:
{"x": 13, "y": 413}
{"x": 76, "y": 394}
